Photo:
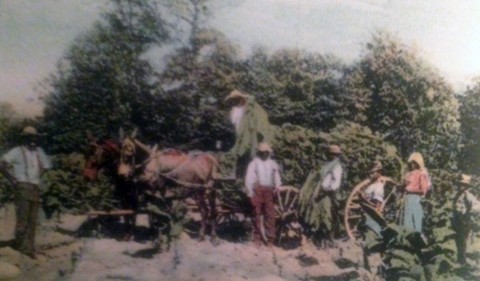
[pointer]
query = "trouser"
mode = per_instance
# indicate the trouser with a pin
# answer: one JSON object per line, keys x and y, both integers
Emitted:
{"x": 328, "y": 213}
{"x": 461, "y": 225}
{"x": 27, "y": 202}
{"x": 373, "y": 225}
{"x": 263, "y": 204}
{"x": 413, "y": 212}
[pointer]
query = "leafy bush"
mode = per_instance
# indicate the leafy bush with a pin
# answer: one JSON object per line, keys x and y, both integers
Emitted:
{"x": 409, "y": 256}
{"x": 66, "y": 190}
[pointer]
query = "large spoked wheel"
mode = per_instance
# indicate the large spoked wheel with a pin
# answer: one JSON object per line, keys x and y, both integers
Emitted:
{"x": 354, "y": 214}
{"x": 288, "y": 229}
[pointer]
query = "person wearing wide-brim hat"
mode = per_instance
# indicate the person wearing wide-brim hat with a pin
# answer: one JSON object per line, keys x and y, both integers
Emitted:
{"x": 331, "y": 174}
{"x": 417, "y": 183}
{"x": 239, "y": 107}
{"x": 262, "y": 180}
{"x": 28, "y": 161}
{"x": 465, "y": 206}
{"x": 374, "y": 193}
{"x": 251, "y": 125}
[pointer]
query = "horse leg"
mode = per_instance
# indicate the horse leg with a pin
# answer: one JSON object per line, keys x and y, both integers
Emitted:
{"x": 131, "y": 203}
{"x": 211, "y": 193}
{"x": 202, "y": 206}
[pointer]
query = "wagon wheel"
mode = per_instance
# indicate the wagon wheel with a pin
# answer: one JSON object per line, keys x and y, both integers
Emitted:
{"x": 354, "y": 215}
{"x": 287, "y": 227}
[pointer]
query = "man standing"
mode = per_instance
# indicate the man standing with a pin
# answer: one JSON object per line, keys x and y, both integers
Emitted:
{"x": 374, "y": 194}
{"x": 465, "y": 206}
{"x": 262, "y": 181}
{"x": 252, "y": 127}
{"x": 417, "y": 183}
{"x": 326, "y": 189}
{"x": 28, "y": 162}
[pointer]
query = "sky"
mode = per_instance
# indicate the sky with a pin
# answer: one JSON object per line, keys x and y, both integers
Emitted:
{"x": 35, "y": 34}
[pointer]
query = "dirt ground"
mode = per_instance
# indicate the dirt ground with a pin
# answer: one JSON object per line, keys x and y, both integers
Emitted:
{"x": 64, "y": 257}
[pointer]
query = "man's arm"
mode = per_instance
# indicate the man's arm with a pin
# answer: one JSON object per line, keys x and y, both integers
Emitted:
{"x": 46, "y": 163}
{"x": 278, "y": 179}
{"x": 250, "y": 179}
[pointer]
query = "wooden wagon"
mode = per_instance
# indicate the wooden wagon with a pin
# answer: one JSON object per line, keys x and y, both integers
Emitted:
{"x": 355, "y": 209}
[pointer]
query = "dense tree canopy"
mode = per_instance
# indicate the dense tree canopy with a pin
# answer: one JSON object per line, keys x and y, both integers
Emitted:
{"x": 103, "y": 83}
{"x": 106, "y": 81}
{"x": 470, "y": 120}
{"x": 297, "y": 87}
{"x": 398, "y": 95}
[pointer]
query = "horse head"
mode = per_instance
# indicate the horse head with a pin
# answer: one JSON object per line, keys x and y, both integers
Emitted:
{"x": 130, "y": 156}
{"x": 102, "y": 154}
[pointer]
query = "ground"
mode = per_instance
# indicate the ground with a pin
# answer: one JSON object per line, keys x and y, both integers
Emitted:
{"x": 64, "y": 257}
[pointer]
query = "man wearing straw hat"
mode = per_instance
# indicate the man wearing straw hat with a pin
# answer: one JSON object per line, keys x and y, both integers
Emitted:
{"x": 374, "y": 194}
{"x": 262, "y": 181}
{"x": 417, "y": 183}
{"x": 331, "y": 174}
{"x": 27, "y": 161}
{"x": 251, "y": 125}
{"x": 466, "y": 205}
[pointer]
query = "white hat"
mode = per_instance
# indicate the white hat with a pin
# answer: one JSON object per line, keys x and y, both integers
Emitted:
{"x": 417, "y": 158}
{"x": 376, "y": 166}
{"x": 334, "y": 149}
{"x": 263, "y": 146}
{"x": 29, "y": 130}
{"x": 466, "y": 179}
{"x": 236, "y": 94}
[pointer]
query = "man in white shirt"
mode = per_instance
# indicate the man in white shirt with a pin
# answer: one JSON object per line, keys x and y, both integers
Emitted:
{"x": 466, "y": 206}
{"x": 27, "y": 162}
{"x": 262, "y": 180}
{"x": 330, "y": 181}
{"x": 374, "y": 194}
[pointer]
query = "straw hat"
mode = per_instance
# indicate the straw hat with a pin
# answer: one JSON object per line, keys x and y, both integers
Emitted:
{"x": 236, "y": 94}
{"x": 466, "y": 179}
{"x": 334, "y": 149}
{"x": 417, "y": 158}
{"x": 264, "y": 147}
{"x": 376, "y": 166}
{"x": 29, "y": 131}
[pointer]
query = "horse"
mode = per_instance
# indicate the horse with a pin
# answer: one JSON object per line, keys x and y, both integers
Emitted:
{"x": 105, "y": 157}
{"x": 195, "y": 172}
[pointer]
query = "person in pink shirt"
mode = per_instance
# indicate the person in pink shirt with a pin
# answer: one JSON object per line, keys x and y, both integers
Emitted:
{"x": 417, "y": 183}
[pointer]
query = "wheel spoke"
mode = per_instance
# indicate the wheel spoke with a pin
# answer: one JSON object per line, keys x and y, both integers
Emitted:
{"x": 279, "y": 198}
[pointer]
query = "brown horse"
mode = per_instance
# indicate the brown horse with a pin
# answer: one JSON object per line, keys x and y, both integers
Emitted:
{"x": 105, "y": 157}
{"x": 194, "y": 171}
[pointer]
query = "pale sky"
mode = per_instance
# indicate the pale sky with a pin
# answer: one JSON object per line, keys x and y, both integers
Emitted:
{"x": 34, "y": 34}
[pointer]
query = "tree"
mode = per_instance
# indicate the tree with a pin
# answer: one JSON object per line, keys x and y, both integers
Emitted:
{"x": 103, "y": 83}
{"x": 197, "y": 77}
{"x": 296, "y": 87}
{"x": 469, "y": 160}
{"x": 399, "y": 96}
{"x": 10, "y": 125}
